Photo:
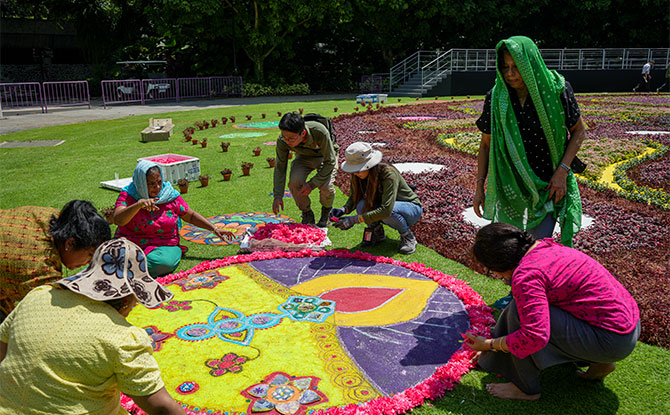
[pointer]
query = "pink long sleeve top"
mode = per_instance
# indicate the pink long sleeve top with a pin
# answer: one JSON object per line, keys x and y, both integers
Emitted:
{"x": 552, "y": 274}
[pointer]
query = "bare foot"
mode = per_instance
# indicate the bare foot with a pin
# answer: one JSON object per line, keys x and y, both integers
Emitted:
{"x": 597, "y": 371}
{"x": 509, "y": 391}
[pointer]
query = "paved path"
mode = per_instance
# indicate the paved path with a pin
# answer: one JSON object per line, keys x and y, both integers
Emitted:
{"x": 29, "y": 119}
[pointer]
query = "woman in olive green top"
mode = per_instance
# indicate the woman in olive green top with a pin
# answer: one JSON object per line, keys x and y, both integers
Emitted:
{"x": 379, "y": 194}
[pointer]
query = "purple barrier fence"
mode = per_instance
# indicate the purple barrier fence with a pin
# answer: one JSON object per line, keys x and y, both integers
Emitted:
{"x": 160, "y": 89}
{"x": 65, "y": 94}
{"x": 21, "y": 95}
{"x": 122, "y": 91}
{"x": 226, "y": 85}
{"x": 194, "y": 87}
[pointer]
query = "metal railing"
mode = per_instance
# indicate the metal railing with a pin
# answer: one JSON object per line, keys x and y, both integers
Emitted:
{"x": 21, "y": 95}
{"x": 66, "y": 94}
{"x": 426, "y": 67}
{"x": 170, "y": 89}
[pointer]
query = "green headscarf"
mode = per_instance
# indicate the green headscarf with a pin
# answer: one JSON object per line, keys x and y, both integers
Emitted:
{"x": 514, "y": 193}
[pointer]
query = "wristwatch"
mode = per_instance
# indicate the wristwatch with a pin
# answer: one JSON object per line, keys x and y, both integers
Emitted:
{"x": 565, "y": 166}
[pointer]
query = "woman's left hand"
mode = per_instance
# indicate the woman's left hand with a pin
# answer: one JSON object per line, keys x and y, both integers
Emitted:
{"x": 557, "y": 185}
{"x": 224, "y": 235}
{"x": 478, "y": 343}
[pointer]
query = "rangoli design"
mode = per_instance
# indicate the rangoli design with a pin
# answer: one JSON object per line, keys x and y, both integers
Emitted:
{"x": 291, "y": 333}
{"x": 243, "y": 135}
{"x": 237, "y": 223}
{"x": 260, "y": 125}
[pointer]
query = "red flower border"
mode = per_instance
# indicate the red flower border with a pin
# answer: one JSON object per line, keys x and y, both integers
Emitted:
{"x": 435, "y": 386}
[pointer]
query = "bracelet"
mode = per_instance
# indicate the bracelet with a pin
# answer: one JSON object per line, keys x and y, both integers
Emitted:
{"x": 565, "y": 166}
{"x": 493, "y": 349}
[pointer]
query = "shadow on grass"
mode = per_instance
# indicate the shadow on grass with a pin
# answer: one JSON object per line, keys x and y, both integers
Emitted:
{"x": 562, "y": 393}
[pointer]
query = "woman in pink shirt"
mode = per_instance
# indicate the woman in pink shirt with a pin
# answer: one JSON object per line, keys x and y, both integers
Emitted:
{"x": 566, "y": 308}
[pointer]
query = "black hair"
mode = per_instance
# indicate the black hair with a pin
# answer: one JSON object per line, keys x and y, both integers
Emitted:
{"x": 500, "y": 59}
{"x": 500, "y": 246}
{"x": 155, "y": 168}
{"x": 293, "y": 122}
{"x": 81, "y": 221}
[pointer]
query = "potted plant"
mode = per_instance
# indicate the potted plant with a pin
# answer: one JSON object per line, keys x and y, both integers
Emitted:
{"x": 437, "y": 98}
{"x": 203, "y": 143}
{"x": 335, "y": 109}
{"x": 271, "y": 161}
{"x": 246, "y": 166}
{"x": 257, "y": 151}
{"x": 248, "y": 117}
{"x": 199, "y": 125}
{"x": 232, "y": 119}
{"x": 206, "y": 124}
{"x": 108, "y": 214}
{"x": 278, "y": 113}
{"x": 224, "y": 120}
{"x": 226, "y": 173}
{"x": 183, "y": 185}
{"x": 263, "y": 115}
{"x": 214, "y": 122}
{"x": 300, "y": 110}
{"x": 188, "y": 138}
{"x": 399, "y": 99}
{"x": 194, "y": 141}
{"x": 224, "y": 146}
{"x": 204, "y": 180}
{"x": 355, "y": 108}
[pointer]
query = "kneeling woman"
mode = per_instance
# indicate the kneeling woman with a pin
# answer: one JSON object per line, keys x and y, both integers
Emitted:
{"x": 566, "y": 308}
{"x": 379, "y": 194}
{"x": 147, "y": 212}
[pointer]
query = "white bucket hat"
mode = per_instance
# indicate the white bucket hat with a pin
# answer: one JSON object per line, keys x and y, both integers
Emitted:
{"x": 360, "y": 156}
{"x": 118, "y": 269}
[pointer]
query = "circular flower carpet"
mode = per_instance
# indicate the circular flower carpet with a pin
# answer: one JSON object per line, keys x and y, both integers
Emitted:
{"x": 236, "y": 223}
{"x": 257, "y": 125}
{"x": 243, "y": 135}
{"x": 311, "y": 332}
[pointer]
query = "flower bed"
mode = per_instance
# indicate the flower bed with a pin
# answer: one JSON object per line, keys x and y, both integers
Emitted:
{"x": 294, "y": 233}
{"x": 629, "y": 237}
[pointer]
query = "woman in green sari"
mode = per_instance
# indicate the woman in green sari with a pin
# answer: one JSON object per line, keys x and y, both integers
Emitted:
{"x": 525, "y": 151}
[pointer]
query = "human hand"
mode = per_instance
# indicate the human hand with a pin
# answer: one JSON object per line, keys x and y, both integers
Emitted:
{"x": 346, "y": 222}
{"x": 337, "y": 212}
{"x": 148, "y": 204}
{"x": 557, "y": 185}
{"x": 478, "y": 201}
{"x": 224, "y": 235}
{"x": 276, "y": 204}
{"x": 305, "y": 190}
{"x": 478, "y": 343}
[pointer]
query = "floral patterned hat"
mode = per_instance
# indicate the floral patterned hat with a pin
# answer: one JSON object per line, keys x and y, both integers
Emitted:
{"x": 118, "y": 269}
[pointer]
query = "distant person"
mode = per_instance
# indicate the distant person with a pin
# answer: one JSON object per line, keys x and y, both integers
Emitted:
{"x": 37, "y": 242}
{"x": 68, "y": 349}
{"x": 315, "y": 150}
{"x": 524, "y": 173}
{"x": 566, "y": 308}
{"x": 147, "y": 212}
{"x": 645, "y": 77}
{"x": 667, "y": 80}
{"x": 379, "y": 195}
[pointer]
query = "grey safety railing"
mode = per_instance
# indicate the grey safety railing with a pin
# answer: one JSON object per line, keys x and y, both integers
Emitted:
{"x": 418, "y": 66}
{"x": 21, "y": 95}
{"x": 169, "y": 89}
{"x": 121, "y": 91}
{"x": 66, "y": 94}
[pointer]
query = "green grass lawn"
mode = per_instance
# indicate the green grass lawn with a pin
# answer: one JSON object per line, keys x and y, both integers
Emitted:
{"x": 95, "y": 151}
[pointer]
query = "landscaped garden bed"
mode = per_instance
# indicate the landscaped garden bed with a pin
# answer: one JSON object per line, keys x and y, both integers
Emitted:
{"x": 631, "y": 230}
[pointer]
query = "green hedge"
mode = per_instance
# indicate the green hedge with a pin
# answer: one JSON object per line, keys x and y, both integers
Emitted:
{"x": 257, "y": 90}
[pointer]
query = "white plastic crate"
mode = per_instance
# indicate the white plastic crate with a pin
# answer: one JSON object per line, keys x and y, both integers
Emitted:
{"x": 176, "y": 166}
{"x": 371, "y": 98}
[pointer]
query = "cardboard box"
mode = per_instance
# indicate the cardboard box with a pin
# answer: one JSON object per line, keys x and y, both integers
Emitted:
{"x": 159, "y": 129}
{"x": 176, "y": 166}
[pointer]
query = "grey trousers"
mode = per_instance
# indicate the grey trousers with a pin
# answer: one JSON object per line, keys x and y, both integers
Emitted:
{"x": 571, "y": 340}
{"x": 301, "y": 167}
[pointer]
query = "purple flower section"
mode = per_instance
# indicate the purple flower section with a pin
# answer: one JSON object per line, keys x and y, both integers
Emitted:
{"x": 410, "y": 350}
{"x": 292, "y": 271}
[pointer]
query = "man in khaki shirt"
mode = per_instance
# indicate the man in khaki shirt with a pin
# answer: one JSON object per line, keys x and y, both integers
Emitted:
{"x": 315, "y": 151}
